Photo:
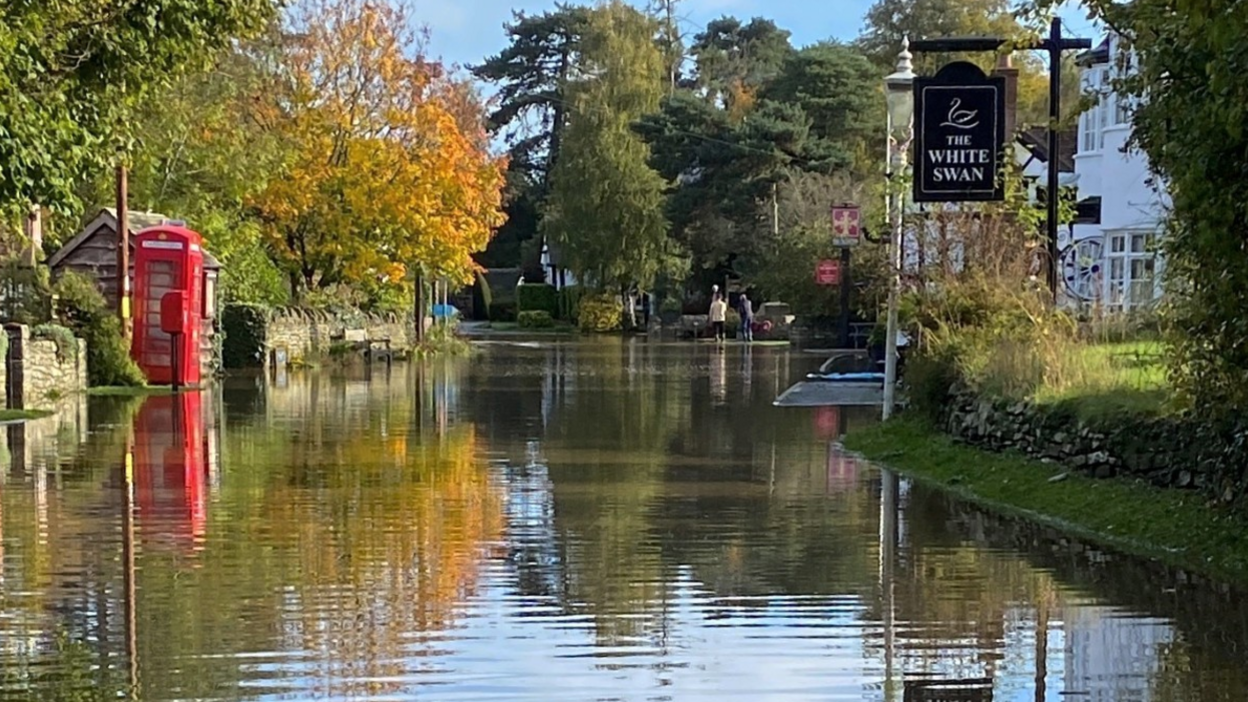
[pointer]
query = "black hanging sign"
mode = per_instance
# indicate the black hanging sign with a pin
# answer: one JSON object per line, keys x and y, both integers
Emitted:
{"x": 960, "y": 114}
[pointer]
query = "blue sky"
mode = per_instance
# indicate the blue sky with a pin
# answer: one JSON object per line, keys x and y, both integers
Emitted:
{"x": 466, "y": 31}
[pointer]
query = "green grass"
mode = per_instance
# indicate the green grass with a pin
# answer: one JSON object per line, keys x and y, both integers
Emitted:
{"x": 10, "y": 415}
{"x": 1113, "y": 379}
{"x": 1175, "y": 527}
{"x": 129, "y": 390}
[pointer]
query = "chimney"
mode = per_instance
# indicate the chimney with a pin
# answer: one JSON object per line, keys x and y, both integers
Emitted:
{"x": 1005, "y": 68}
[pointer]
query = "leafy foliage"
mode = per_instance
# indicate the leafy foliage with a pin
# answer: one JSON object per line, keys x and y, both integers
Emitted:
{"x": 85, "y": 311}
{"x": 66, "y": 344}
{"x": 605, "y": 206}
{"x": 600, "y": 313}
{"x": 535, "y": 319}
{"x": 390, "y": 167}
{"x": 71, "y": 71}
{"x": 1185, "y": 91}
{"x": 537, "y": 297}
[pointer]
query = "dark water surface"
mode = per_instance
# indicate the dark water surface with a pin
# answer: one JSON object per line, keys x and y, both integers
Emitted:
{"x": 597, "y": 521}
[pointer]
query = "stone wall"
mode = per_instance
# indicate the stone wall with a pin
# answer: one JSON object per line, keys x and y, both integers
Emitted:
{"x": 45, "y": 372}
{"x": 1163, "y": 451}
{"x": 254, "y": 336}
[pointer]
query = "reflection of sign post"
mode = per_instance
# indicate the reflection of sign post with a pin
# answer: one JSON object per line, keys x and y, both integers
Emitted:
{"x": 959, "y": 146}
{"x": 828, "y": 272}
{"x": 845, "y": 225}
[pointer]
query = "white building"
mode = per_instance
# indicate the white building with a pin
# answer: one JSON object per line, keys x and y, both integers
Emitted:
{"x": 1109, "y": 255}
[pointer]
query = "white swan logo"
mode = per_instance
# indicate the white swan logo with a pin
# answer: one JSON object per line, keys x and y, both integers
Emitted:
{"x": 959, "y": 118}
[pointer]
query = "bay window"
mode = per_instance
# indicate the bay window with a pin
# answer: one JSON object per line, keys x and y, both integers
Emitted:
{"x": 1132, "y": 281}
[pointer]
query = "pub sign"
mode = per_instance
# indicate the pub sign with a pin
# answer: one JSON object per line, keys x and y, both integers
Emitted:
{"x": 960, "y": 115}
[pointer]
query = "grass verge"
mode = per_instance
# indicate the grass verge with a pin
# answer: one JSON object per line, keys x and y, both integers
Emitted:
{"x": 10, "y": 415}
{"x": 129, "y": 390}
{"x": 1175, "y": 527}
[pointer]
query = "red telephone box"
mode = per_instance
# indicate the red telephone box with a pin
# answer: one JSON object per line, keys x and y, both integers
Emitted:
{"x": 167, "y": 259}
{"x": 170, "y": 461}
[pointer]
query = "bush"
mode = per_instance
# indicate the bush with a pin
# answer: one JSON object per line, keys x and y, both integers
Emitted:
{"x": 537, "y": 298}
{"x": 732, "y": 323}
{"x": 536, "y": 319}
{"x": 568, "y": 303}
{"x": 25, "y": 294}
{"x": 441, "y": 340}
{"x": 600, "y": 313}
{"x": 504, "y": 311}
{"x": 87, "y": 314}
{"x": 244, "y": 328}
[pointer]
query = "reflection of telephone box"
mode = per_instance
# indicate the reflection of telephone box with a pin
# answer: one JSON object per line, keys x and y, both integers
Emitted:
{"x": 170, "y": 460}
{"x": 168, "y": 273}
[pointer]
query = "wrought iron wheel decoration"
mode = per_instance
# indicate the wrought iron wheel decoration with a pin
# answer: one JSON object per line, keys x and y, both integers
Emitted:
{"x": 1082, "y": 264}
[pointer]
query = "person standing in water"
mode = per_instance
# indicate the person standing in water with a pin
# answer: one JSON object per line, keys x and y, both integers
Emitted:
{"x": 747, "y": 318}
{"x": 718, "y": 314}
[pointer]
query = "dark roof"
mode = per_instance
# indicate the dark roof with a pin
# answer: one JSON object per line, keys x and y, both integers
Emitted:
{"x": 555, "y": 250}
{"x": 1096, "y": 55}
{"x": 1036, "y": 140}
{"x": 136, "y": 221}
{"x": 503, "y": 278}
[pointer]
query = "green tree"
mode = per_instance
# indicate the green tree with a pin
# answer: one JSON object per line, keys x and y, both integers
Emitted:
{"x": 531, "y": 74}
{"x": 69, "y": 71}
{"x": 887, "y": 21}
{"x": 734, "y": 60}
{"x": 606, "y": 203}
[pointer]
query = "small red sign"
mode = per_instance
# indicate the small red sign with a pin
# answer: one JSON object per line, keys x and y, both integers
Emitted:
{"x": 828, "y": 272}
{"x": 846, "y": 225}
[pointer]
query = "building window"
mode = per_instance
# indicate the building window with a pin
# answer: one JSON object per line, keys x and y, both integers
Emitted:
{"x": 1132, "y": 263}
{"x": 1088, "y": 137}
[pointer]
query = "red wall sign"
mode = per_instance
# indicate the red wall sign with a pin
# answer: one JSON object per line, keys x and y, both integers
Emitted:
{"x": 828, "y": 272}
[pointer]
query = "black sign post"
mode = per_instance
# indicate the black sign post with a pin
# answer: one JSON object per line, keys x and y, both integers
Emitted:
{"x": 1054, "y": 45}
{"x": 960, "y": 141}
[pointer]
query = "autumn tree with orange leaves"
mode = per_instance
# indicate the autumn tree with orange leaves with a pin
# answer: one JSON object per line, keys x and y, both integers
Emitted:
{"x": 389, "y": 164}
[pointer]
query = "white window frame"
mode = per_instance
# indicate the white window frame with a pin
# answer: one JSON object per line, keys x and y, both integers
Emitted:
{"x": 1104, "y": 105}
{"x": 1128, "y": 252}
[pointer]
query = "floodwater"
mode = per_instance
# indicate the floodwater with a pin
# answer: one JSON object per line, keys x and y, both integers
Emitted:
{"x": 607, "y": 520}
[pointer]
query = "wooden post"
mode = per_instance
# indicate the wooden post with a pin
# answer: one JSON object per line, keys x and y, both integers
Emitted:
{"x": 123, "y": 253}
{"x": 419, "y": 310}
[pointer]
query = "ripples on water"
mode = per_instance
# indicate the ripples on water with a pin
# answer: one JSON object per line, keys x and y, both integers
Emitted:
{"x": 607, "y": 521}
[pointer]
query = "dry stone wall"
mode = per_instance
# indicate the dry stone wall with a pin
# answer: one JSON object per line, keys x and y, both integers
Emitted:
{"x": 263, "y": 337}
{"x": 1164, "y": 451}
{"x": 43, "y": 373}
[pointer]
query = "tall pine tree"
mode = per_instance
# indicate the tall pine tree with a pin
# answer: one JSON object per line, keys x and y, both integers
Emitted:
{"x": 606, "y": 204}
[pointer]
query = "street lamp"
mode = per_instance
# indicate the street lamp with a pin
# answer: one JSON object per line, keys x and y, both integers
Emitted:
{"x": 899, "y": 91}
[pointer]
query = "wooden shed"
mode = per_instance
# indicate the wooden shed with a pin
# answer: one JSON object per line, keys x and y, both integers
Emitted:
{"x": 93, "y": 253}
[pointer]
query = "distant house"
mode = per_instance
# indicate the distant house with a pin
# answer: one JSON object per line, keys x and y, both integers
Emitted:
{"x": 93, "y": 253}
{"x": 1110, "y": 255}
{"x": 554, "y": 268}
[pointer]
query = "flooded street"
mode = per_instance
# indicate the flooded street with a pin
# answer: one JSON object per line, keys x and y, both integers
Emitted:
{"x": 598, "y": 520}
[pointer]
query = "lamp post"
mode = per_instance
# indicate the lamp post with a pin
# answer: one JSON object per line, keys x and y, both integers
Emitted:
{"x": 899, "y": 91}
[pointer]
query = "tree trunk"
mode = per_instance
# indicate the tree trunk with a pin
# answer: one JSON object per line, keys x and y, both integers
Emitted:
{"x": 419, "y": 308}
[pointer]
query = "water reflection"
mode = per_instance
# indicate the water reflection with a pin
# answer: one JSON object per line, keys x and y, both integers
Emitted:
{"x": 602, "y": 520}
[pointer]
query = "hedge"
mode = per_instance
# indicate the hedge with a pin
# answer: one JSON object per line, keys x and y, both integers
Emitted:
{"x": 539, "y": 297}
{"x": 536, "y": 319}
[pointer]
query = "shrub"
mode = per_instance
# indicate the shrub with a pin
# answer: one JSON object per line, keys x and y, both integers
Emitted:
{"x": 25, "y": 294}
{"x": 441, "y": 340}
{"x": 244, "y": 328}
{"x": 503, "y": 311}
{"x": 85, "y": 311}
{"x": 569, "y": 303}
{"x": 536, "y": 319}
{"x": 600, "y": 313}
{"x": 732, "y": 323}
{"x": 537, "y": 298}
